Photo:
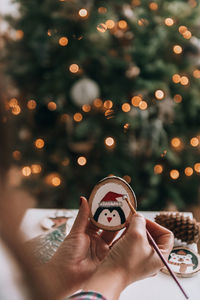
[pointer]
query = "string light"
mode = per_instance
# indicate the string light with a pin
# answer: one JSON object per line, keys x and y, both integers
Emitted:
{"x": 109, "y": 113}
{"x": 169, "y": 22}
{"x": 13, "y": 102}
{"x": 187, "y": 34}
{"x": 184, "y": 80}
{"x": 56, "y": 181}
{"x": 177, "y": 49}
{"x": 97, "y": 103}
{"x": 174, "y": 174}
{"x": 127, "y": 178}
{"x": 52, "y": 106}
{"x": 74, "y": 68}
{"x": 102, "y": 27}
{"x": 31, "y": 104}
{"x": 196, "y": 73}
{"x": 53, "y": 179}
{"x": 182, "y": 29}
{"x": 136, "y": 100}
{"x": 39, "y": 143}
{"x": 17, "y": 155}
{"x": 194, "y": 142}
{"x": 197, "y": 167}
{"x": 188, "y": 171}
{"x": 176, "y": 78}
{"x": 153, "y": 6}
{"x": 108, "y": 104}
{"x": 102, "y": 10}
{"x": 83, "y": 12}
{"x": 36, "y": 168}
{"x": 49, "y": 32}
{"x": 159, "y": 94}
{"x": 136, "y": 2}
{"x": 26, "y": 171}
{"x": 178, "y": 98}
{"x": 143, "y": 105}
{"x": 82, "y": 160}
{"x": 110, "y": 24}
{"x": 63, "y": 41}
{"x": 86, "y": 108}
{"x": 19, "y": 34}
{"x": 126, "y": 126}
{"x": 16, "y": 110}
{"x": 142, "y": 22}
{"x": 126, "y": 107}
{"x": 158, "y": 169}
{"x": 109, "y": 141}
{"x": 66, "y": 162}
{"x": 78, "y": 117}
{"x": 176, "y": 142}
{"x": 122, "y": 24}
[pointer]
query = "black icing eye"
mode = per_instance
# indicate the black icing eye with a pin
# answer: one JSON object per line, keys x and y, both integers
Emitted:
{"x": 105, "y": 214}
{"x": 114, "y": 215}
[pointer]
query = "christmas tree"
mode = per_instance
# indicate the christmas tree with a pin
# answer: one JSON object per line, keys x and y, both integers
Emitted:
{"x": 106, "y": 87}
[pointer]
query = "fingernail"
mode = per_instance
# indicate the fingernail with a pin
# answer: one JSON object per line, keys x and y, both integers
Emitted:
{"x": 81, "y": 198}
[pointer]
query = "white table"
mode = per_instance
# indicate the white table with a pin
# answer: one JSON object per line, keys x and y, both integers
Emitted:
{"x": 160, "y": 287}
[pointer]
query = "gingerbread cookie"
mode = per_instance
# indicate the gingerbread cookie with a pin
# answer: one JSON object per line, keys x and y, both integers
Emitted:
{"x": 109, "y": 209}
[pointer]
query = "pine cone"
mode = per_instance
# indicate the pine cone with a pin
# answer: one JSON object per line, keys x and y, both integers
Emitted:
{"x": 183, "y": 227}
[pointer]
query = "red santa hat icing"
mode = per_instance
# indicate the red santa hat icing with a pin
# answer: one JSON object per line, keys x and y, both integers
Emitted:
{"x": 181, "y": 252}
{"x": 110, "y": 199}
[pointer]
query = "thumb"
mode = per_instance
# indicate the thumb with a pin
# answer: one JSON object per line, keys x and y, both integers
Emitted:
{"x": 81, "y": 221}
{"x": 137, "y": 225}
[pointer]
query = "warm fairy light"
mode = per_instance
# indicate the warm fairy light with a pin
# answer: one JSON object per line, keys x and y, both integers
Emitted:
{"x": 196, "y": 73}
{"x": 176, "y": 142}
{"x": 136, "y": 2}
{"x": 136, "y": 100}
{"x": 176, "y": 78}
{"x": 19, "y": 34}
{"x": 127, "y": 178}
{"x": 153, "y": 6}
{"x": 184, "y": 80}
{"x": 78, "y": 117}
{"x": 13, "y": 102}
{"x": 110, "y": 24}
{"x": 188, "y": 171}
{"x": 86, "y": 108}
{"x": 31, "y": 104}
{"x": 109, "y": 113}
{"x": 49, "y": 32}
{"x": 109, "y": 141}
{"x": 174, "y": 174}
{"x": 187, "y": 34}
{"x": 142, "y": 22}
{"x": 97, "y": 103}
{"x": 194, "y": 142}
{"x": 16, "y": 110}
{"x": 74, "y": 68}
{"x": 158, "y": 169}
{"x": 178, "y": 98}
{"x": 159, "y": 94}
{"x": 102, "y": 27}
{"x": 169, "y": 21}
{"x": 63, "y": 41}
{"x": 143, "y": 105}
{"x": 108, "y": 104}
{"x": 82, "y": 160}
{"x": 182, "y": 29}
{"x": 126, "y": 126}
{"x": 26, "y": 171}
{"x": 197, "y": 167}
{"x": 16, "y": 155}
{"x": 66, "y": 162}
{"x": 83, "y": 12}
{"x": 177, "y": 49}
{"x": 56, "y": 181}
{"x": 122, "y": 24}
{"x": 126, "y": 107}
{"x": 39, "y": 143}
{"x": 52, "y": 106}
{"x": 102, "y": 10}
{"x": 36, "y": 168}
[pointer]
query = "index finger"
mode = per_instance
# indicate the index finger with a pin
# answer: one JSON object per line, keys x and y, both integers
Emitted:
{"x": 163, "y": 237}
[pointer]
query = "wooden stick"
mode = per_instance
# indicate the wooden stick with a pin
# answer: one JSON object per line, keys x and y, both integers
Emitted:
{"x": 154, "y": 245}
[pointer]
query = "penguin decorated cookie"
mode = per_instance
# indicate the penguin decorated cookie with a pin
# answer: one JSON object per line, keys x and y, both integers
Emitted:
{"x": 109, "y": 209}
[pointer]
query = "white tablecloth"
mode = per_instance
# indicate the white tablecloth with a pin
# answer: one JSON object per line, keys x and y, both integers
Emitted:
{"x": 160, "y": 287}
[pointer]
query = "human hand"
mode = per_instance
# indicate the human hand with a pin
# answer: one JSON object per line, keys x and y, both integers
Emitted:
{"x": 131, "y": 258}
{"x": 79, "y": 255}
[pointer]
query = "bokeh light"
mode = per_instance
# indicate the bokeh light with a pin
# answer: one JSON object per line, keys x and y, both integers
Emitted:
{"x": 108, "y": 104}
{"x": 178, "y": 98}
{"x": 188, "y": 171}
{"x": 135, "y": 100}
{"x": 143, "y": 105}
{"x": 197, "y": 167}
{"x": 169, "y": 21}
{"x": 126, "y": 107}
{"x": 177, "y": 49}
{"x": 26, "y": 171}
{"x": 52, "y": 106}
{"x": 31, "y": 104}
{"x": 74, "y": 68}
{"x": 153, "y": 6}
{"x": 194, "y": 142}
{"x": 98, "y": 103}
{"x": 102, "y": 27}
{"x": 63, "y": 41}
{"x": 109, "y": 141}
{"x": 196, "y": 73}
{"x": 176, "y": 142}
{"x": 39, "y": 143}
{"x": 82, "y": 160}
{"x": 174, "y": 174}
{"x": 17, "y": 155}
{"x": 176, "y": 78}
{"x": 86, "y": 108}
{"x": 184, "y": 80}
{"x": 78, "y": 117}
{"x": 158, "y": 169}
{"x": 110, "y": 24}
{"x": 122, "y": 24}
{"x": 159, "y": 94}
{"x": 83, "y": 12}
{"x": 36, "y": 168}
{"x": 127, "y": 178}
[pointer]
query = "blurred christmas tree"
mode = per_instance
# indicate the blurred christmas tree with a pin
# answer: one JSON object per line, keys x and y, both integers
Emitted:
{"x": 107, "y": 87}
